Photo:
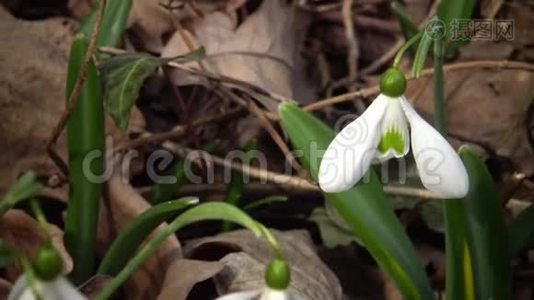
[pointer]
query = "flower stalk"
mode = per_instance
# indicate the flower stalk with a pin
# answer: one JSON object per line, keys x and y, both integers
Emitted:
{"x": 440, "y": 121}
{"x": 414, "y": 39}
{"x": 459, "y": 284}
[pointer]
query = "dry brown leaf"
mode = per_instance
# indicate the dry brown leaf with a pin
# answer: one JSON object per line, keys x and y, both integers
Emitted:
{"x": 488, "y": 106}
{"x": 22, "y": 232}
{"x": 391, "y": 292}
{"x": 79, "y": 8}
{"x": 33, "y": 61}
{"x": 521, "y": 13}
{"x": 258, "y": 51}
{"x": 5, "y": 288}
{"x": 123, "y": 204}
{"x": 245, "y": 270}
{"x": 151, "y": 20}
{"x": 182, "y": 276}
{"x": 490, "y": 50}
{"x": 32, "y": 94}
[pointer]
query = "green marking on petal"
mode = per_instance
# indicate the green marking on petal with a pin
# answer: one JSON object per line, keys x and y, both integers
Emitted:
{"x": 392, "y": 139}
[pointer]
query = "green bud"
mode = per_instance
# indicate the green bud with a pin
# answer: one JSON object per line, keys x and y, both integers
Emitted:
{"x": 278, "y": 274}
{"x": 47, "y": 263}
{"x": 393, "y": 83}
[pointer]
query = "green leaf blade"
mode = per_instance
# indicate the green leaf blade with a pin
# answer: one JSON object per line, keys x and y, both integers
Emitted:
{"x": 488, "y": 236}
{"x": 521, "y": 231}
{"x": 203, "y": 212}
{"x": 85, "y": 137}
{"x": 127, "y": 242}
{"x": 453, "y": 10}
{"x": 113, "y": 24}
{"x": 421, "y": 54}
{"x": 458, "y": 283}
{"x": 25, "y": 188}
{"x": 408, "y": 28}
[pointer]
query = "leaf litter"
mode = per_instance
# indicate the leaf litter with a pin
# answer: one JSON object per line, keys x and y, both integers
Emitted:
{"x": 251, "y": 47}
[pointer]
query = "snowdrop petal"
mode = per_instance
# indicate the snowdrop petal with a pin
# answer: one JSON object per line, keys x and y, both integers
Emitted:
{"x": 350, "y": 154}
{"x": 270, "y": 294}
{"x": 440, "y": 168}
{"x": 246, "y": 295}
{"x": 395, "y": 137}
{"x": 58, "y": 289}
{"x": 265, "y": 294}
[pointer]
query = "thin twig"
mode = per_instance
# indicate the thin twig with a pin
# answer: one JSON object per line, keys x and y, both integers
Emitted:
{"x": 279, "y": 141}
{"x": 76, "y": 91}
{"x": 373, "y": 90}
{"x": 285, "y": 181}
{"x": 177, "y": 132}
{"x": 270, "y": 188}
{"x": 363, "y": 93}
{"x": 183, "y": 108}
{"x": 223, "y": 92}
{"x": 387, "y": 56}
{"x": 382, "y": 60}
{"x": 352, "y": 55}
{"x": 242, "y": 85}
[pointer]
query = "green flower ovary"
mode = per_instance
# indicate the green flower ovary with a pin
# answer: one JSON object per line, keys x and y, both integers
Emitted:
{"x": 392, "y": 139}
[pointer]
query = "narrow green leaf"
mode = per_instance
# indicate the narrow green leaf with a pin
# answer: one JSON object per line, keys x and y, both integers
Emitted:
{"x": 161, "y": 192}
{"x": 234, "y": 190}
{"x": 129, "y": 239}
{"x": 85, "y": 138}
{"x": 452, "y": 11}
{"x": 264, "y": 201}
{"x": 164, "y": 191}
{"x": 422, "y": 53}
{"x": 458, "y": 286}
{"x": 521, "y": 231}
{"x": 365, "y": 207}
{"x": 113, "y": 24}
{"x": 409, "y": 29}
{"x": 26, "y": 187}
{"x": 488, "y": 237}
{"x": 202, "y": 212}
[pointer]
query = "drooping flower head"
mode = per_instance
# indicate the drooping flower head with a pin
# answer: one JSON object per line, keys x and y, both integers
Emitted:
{"x": 45, "y": 281}
{"x": 384, "y": 131}
{"x": 277, "y": 278}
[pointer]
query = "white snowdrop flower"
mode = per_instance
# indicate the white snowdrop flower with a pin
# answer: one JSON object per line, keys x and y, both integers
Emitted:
{"x": 57, "y": 289}
{"x": 277, "y": 278}
{"x": 382, "y": 132}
